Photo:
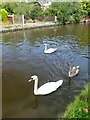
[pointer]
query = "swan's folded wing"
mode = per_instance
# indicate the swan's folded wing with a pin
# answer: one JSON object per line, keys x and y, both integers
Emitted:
{"x": 48, "y": 88}
{"x": 50, "y": 50}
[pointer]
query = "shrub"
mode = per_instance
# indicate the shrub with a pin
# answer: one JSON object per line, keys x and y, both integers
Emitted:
{"x": 62, "y": 18}
{"x": 3, "y": 14}
{"x": 77, "y": 18}
{"x": 36, "y": 11}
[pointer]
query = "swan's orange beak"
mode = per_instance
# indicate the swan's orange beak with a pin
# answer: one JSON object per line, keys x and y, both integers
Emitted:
{"x": 30, "y": 80}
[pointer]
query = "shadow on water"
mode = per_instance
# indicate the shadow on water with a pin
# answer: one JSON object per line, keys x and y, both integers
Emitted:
{"x": 23, "y": 56}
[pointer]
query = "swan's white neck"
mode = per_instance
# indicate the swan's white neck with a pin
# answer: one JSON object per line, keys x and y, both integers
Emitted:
{"x": 35, "y": 86}
{"x": 45, "y": 48}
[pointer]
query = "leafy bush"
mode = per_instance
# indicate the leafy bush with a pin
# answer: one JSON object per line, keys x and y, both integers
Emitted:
{"x": 36, "y": 11}
{"x": 78, "y": 109}
{"x": 77, "y": 18}
{"x": 18, "y": 8}
{"x": 62, "y": 18}
{"x": 8, "y": 6}
{"x": 71, "y": 19}
{"x": 3, "y": 14}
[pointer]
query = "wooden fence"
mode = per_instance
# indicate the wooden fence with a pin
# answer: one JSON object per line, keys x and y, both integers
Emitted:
{"x": 47, "y": 18}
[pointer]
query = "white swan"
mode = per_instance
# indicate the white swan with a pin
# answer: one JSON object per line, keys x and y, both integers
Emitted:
{"x": 50, "y": 50}
{"x": 73, "y": 71}
{"x": 46, "y": 88}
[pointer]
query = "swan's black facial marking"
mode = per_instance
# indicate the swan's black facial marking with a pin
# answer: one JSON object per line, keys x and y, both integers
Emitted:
{"x": 31, "y": 78}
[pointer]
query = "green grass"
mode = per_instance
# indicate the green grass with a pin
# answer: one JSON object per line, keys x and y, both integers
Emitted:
{"x": 9, "y": 26}
{"x": 79, "y": 108}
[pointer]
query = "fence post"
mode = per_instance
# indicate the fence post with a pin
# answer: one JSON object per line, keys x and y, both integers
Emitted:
{"x": 23, "y": 20}
{"x": 13, "y": 19}
{"x": 55, "y": 19}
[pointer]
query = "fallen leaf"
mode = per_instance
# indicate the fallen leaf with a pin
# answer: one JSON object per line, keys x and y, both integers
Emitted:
{"x": 86, "y": 110}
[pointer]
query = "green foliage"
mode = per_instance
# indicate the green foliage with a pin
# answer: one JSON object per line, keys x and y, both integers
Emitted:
{"x": 3, "y": 14}
{"x": 78, "y": 109}
{"x": 65, "y": 12}
{"x": 77, "y": 18}
{"x": 18, "y": 8}
{"x": 36, "y": 11}
{"x": 85, "y": 6}
{"x": 62, "y": 18}
{"x": 49, "y": 12}
{"x": 31, "y": 9}
{"x": 24, "y": 9}
{"x": 9, "y": 6}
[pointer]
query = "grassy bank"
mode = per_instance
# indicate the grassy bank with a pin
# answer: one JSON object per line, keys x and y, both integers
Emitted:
{"x": 79, "y": 108}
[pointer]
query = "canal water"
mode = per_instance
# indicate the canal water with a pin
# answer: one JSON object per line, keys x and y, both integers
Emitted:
{"x": 23, "y": 56}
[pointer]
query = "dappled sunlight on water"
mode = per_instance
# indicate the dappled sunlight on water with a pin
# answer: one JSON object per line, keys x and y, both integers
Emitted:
{"x": 23, "y": 56}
